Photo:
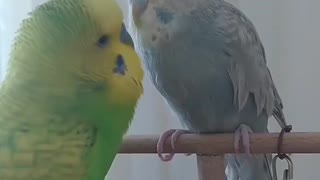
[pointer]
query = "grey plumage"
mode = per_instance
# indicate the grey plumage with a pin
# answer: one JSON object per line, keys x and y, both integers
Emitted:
{"x": 208, "y": 62}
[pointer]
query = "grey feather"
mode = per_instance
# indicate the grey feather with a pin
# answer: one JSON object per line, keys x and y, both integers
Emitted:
{"x": 209, "y": 64}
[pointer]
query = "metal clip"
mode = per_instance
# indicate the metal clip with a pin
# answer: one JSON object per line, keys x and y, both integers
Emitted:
{"x": 287, "y": 173}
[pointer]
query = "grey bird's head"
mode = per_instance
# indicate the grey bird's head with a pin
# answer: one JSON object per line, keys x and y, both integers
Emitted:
{"x": 154, "y": 23}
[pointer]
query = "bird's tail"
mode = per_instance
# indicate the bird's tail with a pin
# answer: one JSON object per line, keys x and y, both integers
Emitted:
{"x": 243, "y": 167}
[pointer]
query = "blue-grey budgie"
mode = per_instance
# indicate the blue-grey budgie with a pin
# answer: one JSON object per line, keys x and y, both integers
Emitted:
{"x": 206, "y": 59}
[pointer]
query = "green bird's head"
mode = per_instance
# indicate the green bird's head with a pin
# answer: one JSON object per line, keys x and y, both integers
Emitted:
{"x": 73, "y": 46}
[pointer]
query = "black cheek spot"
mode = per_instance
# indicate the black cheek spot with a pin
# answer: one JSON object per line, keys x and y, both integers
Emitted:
{"x": 120, "y": 60}
{"x": 121, "y": 67}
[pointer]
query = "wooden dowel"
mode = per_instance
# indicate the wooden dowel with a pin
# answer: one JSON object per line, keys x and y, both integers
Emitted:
{"x": 293, "y": 142}
{"x": 211, "y": 167}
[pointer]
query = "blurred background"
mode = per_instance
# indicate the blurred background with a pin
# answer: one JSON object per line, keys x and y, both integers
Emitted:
{"x": 289, "y": 30}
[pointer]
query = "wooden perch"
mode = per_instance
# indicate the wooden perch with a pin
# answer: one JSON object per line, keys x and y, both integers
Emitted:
{"x": 211, "y": 165}
{"x": 294, "y": 142}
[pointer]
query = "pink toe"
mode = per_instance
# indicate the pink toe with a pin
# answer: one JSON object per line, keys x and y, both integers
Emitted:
{"x": 242, "y": 133}
{"x": 164, "y": 136}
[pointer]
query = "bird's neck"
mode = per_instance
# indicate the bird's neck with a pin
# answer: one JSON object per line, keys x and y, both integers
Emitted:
{"x": 19, "y": 96}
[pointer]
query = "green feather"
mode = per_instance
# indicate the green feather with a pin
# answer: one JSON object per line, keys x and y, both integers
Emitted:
{"x": 61, "y": 115}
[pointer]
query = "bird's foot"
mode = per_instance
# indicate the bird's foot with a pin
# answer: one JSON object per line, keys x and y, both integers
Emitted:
{"x": 242, "y": 133}
{"x": 173, "y": 134}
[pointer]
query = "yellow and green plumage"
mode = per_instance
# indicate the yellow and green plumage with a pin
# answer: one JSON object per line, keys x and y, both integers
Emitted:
{"x": 70, "y": 92}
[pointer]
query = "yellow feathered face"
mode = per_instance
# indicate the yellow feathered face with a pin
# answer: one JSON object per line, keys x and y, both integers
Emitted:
{"x": 111, "y": 57}
{"x": 113, "y": 53}
{"x": 83, "y": 42}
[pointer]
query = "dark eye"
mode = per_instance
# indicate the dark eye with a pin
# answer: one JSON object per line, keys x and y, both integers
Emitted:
{"x": 103, "y": 41}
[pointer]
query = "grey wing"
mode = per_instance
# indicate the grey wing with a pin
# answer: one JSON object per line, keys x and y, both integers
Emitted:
{"x": 278, "y": 108}
{"x": 248, "y": 72}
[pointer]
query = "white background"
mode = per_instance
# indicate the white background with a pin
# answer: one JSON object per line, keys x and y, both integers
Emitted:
{"x": 289, "y": 30}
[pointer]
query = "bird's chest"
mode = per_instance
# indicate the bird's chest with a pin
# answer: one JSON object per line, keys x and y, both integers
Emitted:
{"x": 52, "y": 148}
{"x": 199, "y": 90}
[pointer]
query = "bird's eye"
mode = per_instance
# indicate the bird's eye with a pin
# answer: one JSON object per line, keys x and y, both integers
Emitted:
{"x": 103, "y": 41}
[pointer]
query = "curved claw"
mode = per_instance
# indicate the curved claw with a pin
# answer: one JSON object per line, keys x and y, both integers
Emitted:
{"x": 175, "y": 134}
{"x": 164, "y": 136}
{"x": 242, "y": 133}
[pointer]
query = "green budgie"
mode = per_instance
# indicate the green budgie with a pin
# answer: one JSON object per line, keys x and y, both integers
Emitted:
{"x": 206, "y": 58}
{"x": 72, "y": 84}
